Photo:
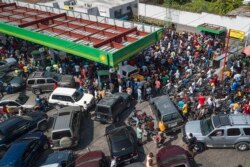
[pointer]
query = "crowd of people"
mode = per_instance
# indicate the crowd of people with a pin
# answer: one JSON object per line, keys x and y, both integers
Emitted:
{"x": 180, "y": 64}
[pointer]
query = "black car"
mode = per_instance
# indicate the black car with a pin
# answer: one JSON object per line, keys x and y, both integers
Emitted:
{"x": 16, "y": 126}
{"x": 17, "y": 83}
{"x": 122, "y": 142}
{"x": 61, "y": 158}
{"x": 110, "y": 108}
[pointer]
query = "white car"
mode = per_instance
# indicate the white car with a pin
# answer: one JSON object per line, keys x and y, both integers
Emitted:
{"x": 71, "y": 97}
{"x": 14, "y": 103}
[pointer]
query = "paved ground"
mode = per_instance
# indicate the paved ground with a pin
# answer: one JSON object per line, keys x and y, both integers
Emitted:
{"x": 93, "y": 138}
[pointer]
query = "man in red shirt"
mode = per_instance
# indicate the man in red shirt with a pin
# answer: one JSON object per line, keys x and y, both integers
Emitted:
{"x": 201, "y": 101}
{"x": 246, "y": 108}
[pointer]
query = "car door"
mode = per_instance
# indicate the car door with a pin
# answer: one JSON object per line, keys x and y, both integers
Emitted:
{"x": 31, "y": 153}
{"x": 216, "y": 138}
{"x": 76, "y": 125}
{"x": 41, "y": 84}
{"x": 50, "y": 84}
{"x": 232, "y": 136}
{"x": 20, "y": 128}
{"x": 68, "y": 101}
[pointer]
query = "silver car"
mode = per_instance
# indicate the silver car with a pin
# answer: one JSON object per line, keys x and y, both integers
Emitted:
{"x": 7, "y": 64}
{"x": 220, "y": 131}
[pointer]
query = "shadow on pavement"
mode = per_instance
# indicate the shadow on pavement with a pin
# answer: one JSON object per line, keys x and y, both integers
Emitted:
{"x": 86, "y": 133}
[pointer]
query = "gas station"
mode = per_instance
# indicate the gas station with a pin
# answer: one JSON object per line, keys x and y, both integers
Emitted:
{"x": 100, "y": 41}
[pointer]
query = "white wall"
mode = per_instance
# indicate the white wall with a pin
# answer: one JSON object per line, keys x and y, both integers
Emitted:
{"x": 194, "y": 19}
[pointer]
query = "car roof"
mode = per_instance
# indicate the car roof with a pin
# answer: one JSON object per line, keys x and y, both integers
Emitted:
{"x": 9, "y": 124}
{"x": 108, "y": 100}
{"x": 64, "y": 118}
{"x": 90, "y": 156}
{"x": 164, "y": 105}
{"x": 170, "y": 151}
{"x": 64, "y": 91}
{"x": 230, "y": 120}
{"x": 13, "y": 153}
{"x": 56, "y": 157}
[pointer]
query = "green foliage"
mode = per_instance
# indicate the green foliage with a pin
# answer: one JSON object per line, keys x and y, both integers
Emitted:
{"x": 210, "y": 6}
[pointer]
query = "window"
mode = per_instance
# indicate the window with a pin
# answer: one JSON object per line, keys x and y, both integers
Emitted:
{"x": 56, "y": 97}
{"x": 218, "y": 133}
{"x": 246, "y": 131}
{"x": 60, "y": 134}
{"x": 31, "y": 82}
{"x": 67, "y": 99}
{"x": 50, "y": 81}
{"x": 41, "y": 81}
{"x": 11, "y": 103}
{"x": 170, "y": 117}
{"x": 233, "y": 132}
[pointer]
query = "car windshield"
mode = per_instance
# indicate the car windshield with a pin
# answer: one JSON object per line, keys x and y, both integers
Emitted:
{"x": 135, "y": 71}
{"x": 206, "y": 126}
{"x": 60, "y": 134}
{"x": 57, "y": 77}
{"x": 77, "y": 95}
{"x": 121, "y": 145}
{"x": 22, "y": 99}
{"x": 6, "y": 78}
{"x": 174, "y": 159}
{"x": 3, "y": 62}
{"x": 104, "y": 110}
{"x": 170, "y": 117}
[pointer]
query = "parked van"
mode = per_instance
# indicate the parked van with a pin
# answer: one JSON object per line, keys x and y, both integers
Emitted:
{"x": 109, "y": 109}
{"x": 165, "y": 111}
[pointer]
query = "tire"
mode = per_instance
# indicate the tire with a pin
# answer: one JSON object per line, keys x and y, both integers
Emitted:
{"x": 242, "y": 146}
{"x": 65, "y": 142}
{"x": 43, "y": 126}
{"x": 37, "y": 91}
{"x": 199, "y": 147}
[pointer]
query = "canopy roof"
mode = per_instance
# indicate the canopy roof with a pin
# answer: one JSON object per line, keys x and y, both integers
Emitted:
{"x": 211, "y": 28}
{"x": 95, "y": 40}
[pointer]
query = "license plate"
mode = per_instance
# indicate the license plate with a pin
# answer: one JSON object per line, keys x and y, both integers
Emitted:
{"x": 173, "y": 124}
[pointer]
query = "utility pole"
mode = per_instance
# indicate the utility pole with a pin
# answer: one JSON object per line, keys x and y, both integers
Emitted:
{"x": 168, "y": 13}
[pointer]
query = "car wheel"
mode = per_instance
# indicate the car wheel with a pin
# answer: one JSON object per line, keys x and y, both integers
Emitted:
{"x": 46, "y": 146}
{"x": 242, "y": 146}
{"x": 37, "y": 91}
{"x": 43, "y": 126}
{"x": 199, "y": 147}
{"x": 65, "y": 142}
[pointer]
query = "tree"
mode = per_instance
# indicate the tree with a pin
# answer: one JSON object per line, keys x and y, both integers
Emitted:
{"x": 225, "y": 6}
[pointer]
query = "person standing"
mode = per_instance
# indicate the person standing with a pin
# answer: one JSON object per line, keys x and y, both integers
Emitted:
{"x": 149, "y": 162}
{"x": 139, "y": 133}
{"x": 139, "y": 94}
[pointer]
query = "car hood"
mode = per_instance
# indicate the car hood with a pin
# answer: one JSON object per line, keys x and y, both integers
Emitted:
{"x": 16, "y": 81}
{"x": 86, "y": 97}
{"x": 193, "y": 127}
{"x": 66, "y": 78}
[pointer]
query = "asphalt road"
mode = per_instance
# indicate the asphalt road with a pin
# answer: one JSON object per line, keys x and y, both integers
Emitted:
{"x": 93, "y": 138}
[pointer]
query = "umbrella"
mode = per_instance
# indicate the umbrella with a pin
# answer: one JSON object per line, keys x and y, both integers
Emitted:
{"x": 246, "y": 50}
{"x": 35, "y": 52}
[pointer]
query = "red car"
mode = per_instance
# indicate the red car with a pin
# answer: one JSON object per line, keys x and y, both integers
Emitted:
{"x": 92, "y": 159}
{"x": 174, "y": 156}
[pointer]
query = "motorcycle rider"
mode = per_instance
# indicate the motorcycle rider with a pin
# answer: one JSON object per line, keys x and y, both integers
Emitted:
{"x": 191, "y": 143}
